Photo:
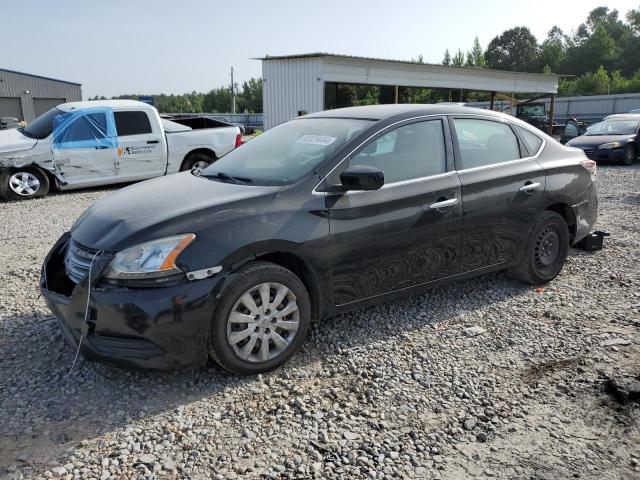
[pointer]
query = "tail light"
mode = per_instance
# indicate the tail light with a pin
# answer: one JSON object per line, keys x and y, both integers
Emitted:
{"x": 238, "y": 140}
{"x": 590, "y": 166}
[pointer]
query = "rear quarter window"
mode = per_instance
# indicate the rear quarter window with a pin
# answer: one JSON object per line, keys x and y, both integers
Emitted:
{"x": 132, "y": 123}
{"x": 531, "y": 141}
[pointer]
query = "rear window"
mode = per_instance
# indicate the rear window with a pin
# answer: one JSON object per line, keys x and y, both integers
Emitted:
{"x": 531, "y": 140}
{"x": 132, "y": 123}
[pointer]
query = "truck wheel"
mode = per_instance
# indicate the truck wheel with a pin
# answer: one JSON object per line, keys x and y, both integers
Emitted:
{"x": 23, "y": 183}
{"x": 629, "y": 155}
{"x": 262, "y": 319}
{"x": 545, "y": 252}
{"x": 197, "y": 161}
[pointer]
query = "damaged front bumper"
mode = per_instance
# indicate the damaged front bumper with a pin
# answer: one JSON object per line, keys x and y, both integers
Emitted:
{"x": 158, "y": 328}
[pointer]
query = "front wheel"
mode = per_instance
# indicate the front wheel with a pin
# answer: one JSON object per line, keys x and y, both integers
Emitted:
{"x": 545, "y": 252}
{"x": 196, "y": 161}
{"x": 629, "y": 155}
{"x": 23, "y": 183}
{"x": 261, "y": 321}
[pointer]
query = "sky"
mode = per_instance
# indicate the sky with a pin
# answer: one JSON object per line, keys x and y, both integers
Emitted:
{"x": 167, "y": 46}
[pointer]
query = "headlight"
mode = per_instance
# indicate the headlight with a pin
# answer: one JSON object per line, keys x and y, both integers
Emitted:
{"x": 149, "y": 260}
{"x": 607, "y": 146}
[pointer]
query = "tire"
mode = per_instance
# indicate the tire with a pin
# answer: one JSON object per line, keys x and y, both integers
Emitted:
{"x": 197, "y": 160}
{"x": 629, "y": 155}
{"x": 238, "y": 346}
{"x": 545, "y": 252}
{"x": 23, "y": 183}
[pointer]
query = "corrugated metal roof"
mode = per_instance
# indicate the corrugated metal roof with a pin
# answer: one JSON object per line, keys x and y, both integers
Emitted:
{"x": 407, "y": 62}
{"x": 38, "y": 76}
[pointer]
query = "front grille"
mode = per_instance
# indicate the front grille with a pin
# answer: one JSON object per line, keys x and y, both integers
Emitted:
{"x": 77, "y": 261}
{"x": 590, "y": 153}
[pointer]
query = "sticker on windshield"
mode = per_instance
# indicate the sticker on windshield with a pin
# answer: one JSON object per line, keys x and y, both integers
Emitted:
{"x": 323, "y": 140}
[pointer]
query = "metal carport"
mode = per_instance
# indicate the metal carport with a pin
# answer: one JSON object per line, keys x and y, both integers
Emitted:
{"x": 295, "y": 84}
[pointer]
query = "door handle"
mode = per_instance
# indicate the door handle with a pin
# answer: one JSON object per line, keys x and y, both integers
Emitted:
{"x": 101, "y": 147}
{"x": 443, "y": 204}
{"x": 149, "y": 142}
{"x": 530, "y": 187}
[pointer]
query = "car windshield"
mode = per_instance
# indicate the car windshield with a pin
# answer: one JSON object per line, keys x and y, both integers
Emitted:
{"x": 42, "y": 126}
{"x": 287, "y": 152}
{"x": 614, "y": 127}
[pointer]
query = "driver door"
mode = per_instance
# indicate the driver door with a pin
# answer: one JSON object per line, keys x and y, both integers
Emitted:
{"x": 84, "y": 147}
{"x": 409, "y": 231}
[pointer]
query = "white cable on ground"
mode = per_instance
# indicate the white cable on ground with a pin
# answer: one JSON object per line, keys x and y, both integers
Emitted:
{"x": 86, "y": 311}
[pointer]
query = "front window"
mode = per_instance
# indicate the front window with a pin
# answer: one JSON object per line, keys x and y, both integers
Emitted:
{"x": 412, "y": 151}
{"x": 42, "y": 126}
{"x": 614, "y": 127}
{"x": 287, "y": 152}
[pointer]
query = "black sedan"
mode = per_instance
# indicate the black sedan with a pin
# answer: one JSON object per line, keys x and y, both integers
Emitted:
{"x": 320, "y": 215}
{"x": 616, "y": 139}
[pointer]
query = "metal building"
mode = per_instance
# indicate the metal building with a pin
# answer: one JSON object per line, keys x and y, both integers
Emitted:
{"x": 588, "y": 108}
{"x": 295, "y": 84}
{"x": 25, "y": 96}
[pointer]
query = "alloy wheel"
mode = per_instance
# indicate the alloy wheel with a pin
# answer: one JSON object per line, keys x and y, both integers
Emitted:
{"x": 24, "y": 183}
{"x": 200, "y": 165}
{"x": 263, "y": 322}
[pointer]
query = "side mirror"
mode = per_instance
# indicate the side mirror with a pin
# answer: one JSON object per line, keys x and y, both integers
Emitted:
{"x": 360, "y": 177}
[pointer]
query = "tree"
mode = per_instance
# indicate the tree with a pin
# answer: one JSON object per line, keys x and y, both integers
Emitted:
{"x": 458, "y": 59}
{"x": 516, "y": 49}
{"x": 633, "y": 17}
{"x": 250, "y": 98}
{"x": 598, "y": 49}
{"x": 553, "y": 50}
{"x": 217, "y": 100}
{"x": 447, "y": 58}
{"x": 475, "y": 57}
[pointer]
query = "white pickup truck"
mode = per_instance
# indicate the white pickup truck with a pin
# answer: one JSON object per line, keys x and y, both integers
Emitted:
{"x": 84, "y": 144}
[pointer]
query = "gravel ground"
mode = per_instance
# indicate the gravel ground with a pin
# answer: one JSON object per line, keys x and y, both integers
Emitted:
{"x": 487, "y": 378}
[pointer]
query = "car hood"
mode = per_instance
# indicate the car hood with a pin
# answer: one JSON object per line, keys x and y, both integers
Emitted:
{"x": 12, "y": 140}
{"x": 166, "y": 206}
{"x": 595, "y": 140}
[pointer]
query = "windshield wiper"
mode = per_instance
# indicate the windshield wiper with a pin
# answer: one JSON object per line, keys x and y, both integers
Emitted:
{"x": 230, "y": 178}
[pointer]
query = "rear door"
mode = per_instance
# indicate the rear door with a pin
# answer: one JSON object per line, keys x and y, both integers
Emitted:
{"x": 502, "y": 189}
{"x": 408, "y": 232}
{"x": 141, "y": 147}
{"x": 84, "y": 146}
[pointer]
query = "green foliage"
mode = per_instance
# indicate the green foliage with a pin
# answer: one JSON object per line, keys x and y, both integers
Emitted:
{"x": 603, "y": 43}
{"x": 447, "y": 58}
{"x": 217, "y": 100}
{"x": 475, "y": 57}
{"x": 458, "y": 59}
{"x": 515, "y": 49}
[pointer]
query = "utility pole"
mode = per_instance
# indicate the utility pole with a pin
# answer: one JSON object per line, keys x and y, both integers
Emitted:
{"x": 233, "y": 94}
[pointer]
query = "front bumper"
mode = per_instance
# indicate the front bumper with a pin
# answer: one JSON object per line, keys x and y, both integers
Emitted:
{"x": 157, "y": 328}
{"x": 603, "y": 155}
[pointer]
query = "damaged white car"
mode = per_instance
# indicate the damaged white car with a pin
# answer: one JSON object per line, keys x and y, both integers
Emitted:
{"x": 84, "y": 144}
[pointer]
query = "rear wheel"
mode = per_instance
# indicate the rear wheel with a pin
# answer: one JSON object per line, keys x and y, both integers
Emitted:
{"x": 197, "y": 161}
{"x": 23, "y": 183}
{"x": 545, "y": 253}
{"x": 261, "y": 321}
{"x": 629, "y": 154}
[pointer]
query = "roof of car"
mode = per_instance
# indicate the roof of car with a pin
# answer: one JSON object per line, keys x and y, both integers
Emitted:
{"x": 623, "y": 116}
{"x": 103, "y": 103}
{"x": 380, "y": 112}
